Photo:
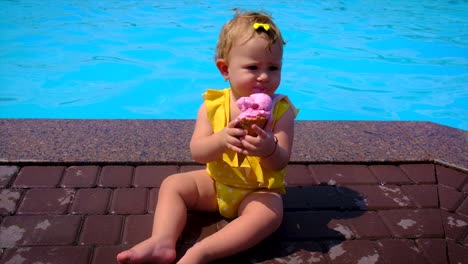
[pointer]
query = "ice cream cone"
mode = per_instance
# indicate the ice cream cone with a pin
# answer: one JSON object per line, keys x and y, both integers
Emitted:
{"x": 246, "y": 124}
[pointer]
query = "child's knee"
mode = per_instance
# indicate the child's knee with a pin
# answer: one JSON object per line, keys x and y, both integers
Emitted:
{"x": 268, "y": 204}
{"x": 170, "y": 182}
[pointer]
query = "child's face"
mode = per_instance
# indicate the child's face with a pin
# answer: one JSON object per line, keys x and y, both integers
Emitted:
{"x": 253, "y": 68}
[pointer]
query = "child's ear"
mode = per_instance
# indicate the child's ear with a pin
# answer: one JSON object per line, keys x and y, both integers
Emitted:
{"x": 223, "y": 68}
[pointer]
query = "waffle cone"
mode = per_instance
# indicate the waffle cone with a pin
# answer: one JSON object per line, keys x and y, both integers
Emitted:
{"x": 246, "y": 124}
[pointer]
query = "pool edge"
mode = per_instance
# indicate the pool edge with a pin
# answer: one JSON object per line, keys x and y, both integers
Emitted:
{"x": 166, "y": 141}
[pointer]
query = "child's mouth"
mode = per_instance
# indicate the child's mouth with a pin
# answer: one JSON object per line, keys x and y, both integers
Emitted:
{"x": 259, "y": 90}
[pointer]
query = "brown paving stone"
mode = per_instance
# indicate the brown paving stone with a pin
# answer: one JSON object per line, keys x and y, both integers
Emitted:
{"x": 382, "y": 196}
{"x": 343, "y": 226}
{"x": 333, "y": 174}
{"x": 369, "y": 225}
{"x": 152, "y": 176}
{"x": 6, "y": 174}
{"x": 296, "y": 198}
{"x": 39, "y": 230}
{"x": 137, "y": 228}
{"x": 9, "y": 199}
{"x": 419, "y": 223}
{"x": 354, "y": 251}
{"x": 434, "y": 250}
{"x": 313, "y": 212}
{"x": 107, "y": 254}
{"x": 152, "y": 200}
{"x": 199, "y": 226}
{"x": 322, "y": 197}
{"x": 422, "y": 195}
{"x": 449, "y": 198}
{"x": 46, "y": 201}
{"x": 389, "y": 174}
{"x": 91, "y": 201}
{"x": 455, "y": 226}
{"x": 187, "y": 168}
{"x": 310, "y": 225}
{"x": 457, "y": 253}
{"x": 274, "y": 251}
{"x": 420, "y": 173}
{"x": 129, "y": 201}
{"x": 299, "y": 175}
{"x": 350, "y": 199}
{"x": 116, "y": 176}
{"x": 463, "y": 208}
{"x": 465, "y": 189}
{"x": 400, "y": 251}
{"x": 296, "y": 252}
{"x": 101, "y": 230}
{"x": 80, "y": 176}
{"x": 38, "y": 176}
{"x": 49, "y": 255}
{"x": 451, "y": 177}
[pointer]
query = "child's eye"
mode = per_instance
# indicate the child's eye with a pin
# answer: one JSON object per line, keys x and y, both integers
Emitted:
{"x": 273, "y": 68}
{"x": 252, "y": 68}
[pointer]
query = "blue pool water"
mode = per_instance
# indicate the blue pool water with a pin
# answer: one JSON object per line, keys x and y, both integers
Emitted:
{"x": 344, "y": 60}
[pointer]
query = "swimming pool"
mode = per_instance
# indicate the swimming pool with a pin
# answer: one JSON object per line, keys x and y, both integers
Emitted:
{"x": 344, "y": 60}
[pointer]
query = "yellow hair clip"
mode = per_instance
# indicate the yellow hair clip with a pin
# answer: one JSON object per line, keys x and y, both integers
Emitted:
{"x": 266, "y": 27}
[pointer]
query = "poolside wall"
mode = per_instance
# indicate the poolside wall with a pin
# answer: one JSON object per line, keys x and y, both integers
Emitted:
{"x": 166, "y": 141}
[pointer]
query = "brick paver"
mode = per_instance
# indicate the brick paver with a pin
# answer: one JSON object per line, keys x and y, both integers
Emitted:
{"x": 101, "y": 230}
{"x": 450, "y": 177}
{"x": 38, "y": 176}
{"x": 334, "y": 213}
{"x": 39, "y": 230}
{"x": 6, "y": 174}
{"x": 46, "y": 201}
{"x": 65, "y": 254}
{"x": 129, "y": 201}
{"x": 152, "y": 176}
{"x": 80, "y": 176}
{"x": 137, "y": 228}
{"x": 116, "y": 176}
{"x": 91, "y": 201}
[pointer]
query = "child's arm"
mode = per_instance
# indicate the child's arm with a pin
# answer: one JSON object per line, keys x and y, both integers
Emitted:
{"x": 273, "y": 157}
{"x": 206, "y": 145}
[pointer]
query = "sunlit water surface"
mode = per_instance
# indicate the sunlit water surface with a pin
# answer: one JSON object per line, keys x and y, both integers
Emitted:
{"x": 344, "y": 60}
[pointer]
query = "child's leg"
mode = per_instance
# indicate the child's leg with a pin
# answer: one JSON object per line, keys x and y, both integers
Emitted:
{"x": 260, "y": 214}
{"x": 179, "y": 192}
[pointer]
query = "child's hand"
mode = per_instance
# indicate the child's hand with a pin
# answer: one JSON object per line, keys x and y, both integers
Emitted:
{"x": 231, "y": 137}
{"x": 262, "y": 145}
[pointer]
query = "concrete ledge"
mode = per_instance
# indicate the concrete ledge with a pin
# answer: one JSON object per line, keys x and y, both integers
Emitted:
{"x": 166, "y": 141}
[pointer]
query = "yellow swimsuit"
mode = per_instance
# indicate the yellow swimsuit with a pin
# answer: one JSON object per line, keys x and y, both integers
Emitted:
{"x": 236, "y": 175}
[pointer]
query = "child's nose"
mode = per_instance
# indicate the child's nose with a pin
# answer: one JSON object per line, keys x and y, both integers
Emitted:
{"x": 263, "y": 76}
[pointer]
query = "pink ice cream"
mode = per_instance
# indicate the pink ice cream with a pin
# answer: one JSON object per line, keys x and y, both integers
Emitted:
{"x": 257, "y": 104}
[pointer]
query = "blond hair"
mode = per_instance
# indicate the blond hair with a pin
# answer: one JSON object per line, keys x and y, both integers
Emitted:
{"x": 241, "y": 28}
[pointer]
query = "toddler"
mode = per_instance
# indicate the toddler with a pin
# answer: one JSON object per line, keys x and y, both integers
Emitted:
{"x": 244, "y": 176}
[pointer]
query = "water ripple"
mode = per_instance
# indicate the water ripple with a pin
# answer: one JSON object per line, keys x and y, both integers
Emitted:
{"x": 365, "y": 60}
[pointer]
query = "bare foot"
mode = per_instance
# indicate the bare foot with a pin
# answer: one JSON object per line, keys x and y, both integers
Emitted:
{"x": 147, "y": 251}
